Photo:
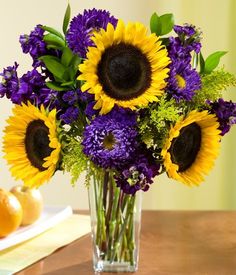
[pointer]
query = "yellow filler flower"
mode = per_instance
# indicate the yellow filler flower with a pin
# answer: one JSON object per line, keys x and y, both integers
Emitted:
{"x": 192, "y": 147}
{"x": 30, "y": 144}
{"x": 126, "y": 67}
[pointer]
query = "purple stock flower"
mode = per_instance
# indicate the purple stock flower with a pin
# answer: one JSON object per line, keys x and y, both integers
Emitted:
{"x": 10, "y": 81}
{"x": 70, "y": 97}
{"x": 110, "y": 140}
{"x": 225, "y": 112}
{"x": 34, "y": 44}
{"x": 187, "y": 30}
{"x": 70, "y": 115}
{"x": 30, "y": 87}
{"x": 82, "y": 26}
{"x": 89, "y": 110}
{"x": 138, "y": 175}
{"x": 188, "y": 40}
{"x": 189, "y": 37}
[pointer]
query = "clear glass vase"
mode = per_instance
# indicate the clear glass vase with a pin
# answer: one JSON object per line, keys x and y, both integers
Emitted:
{"x": 115, "y": 222}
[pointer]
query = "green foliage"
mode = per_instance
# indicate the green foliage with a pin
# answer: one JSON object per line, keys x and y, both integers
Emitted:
{"x": 66, "y": 19}
{"x": 54, "y": 40}
{"x": 212, "y": 61}
{"x": 155, "y": 24}
{"x": 154, "y": 126}
{"x": 64, "y": 69}
{"x": 212, "y": 86}
{"x": 55, "y": 66}
{"x": 74, "y": 160}
{"x": 53, "y": 31}
{"x": 161, "y": 25}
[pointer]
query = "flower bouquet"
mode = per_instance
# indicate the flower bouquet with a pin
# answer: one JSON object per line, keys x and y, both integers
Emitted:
{"x": 122, "y": 104}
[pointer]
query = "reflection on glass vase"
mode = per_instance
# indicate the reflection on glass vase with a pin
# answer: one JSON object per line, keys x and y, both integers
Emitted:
{"x": 115, "y": 221}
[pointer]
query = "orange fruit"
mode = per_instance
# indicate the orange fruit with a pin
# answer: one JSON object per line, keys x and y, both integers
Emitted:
{"x": 10, "y": 213}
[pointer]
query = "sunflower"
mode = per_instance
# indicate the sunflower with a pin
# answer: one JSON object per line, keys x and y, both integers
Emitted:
{"x": 192, "y": 147}
{"x": 30, "y": 145}
{"x": 126, "y": 67}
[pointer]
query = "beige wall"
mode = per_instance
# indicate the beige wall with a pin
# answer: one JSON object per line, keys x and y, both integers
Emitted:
{"x": 217, "y": 21}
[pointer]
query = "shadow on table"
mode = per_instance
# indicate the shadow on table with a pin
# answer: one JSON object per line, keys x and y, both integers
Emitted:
{"x": 82, "y": 268}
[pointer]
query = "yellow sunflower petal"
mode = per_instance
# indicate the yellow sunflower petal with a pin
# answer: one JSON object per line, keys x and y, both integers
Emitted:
{"x": 205, "y": 155}
{"x": 133, "y": 36}
{"x": 22, "y": 165}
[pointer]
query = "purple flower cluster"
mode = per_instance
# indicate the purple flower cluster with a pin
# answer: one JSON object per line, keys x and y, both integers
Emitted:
{"x": 138, "y": 175}
{"x": 82, "y": 27}
{"x": 189, "y": 36}
{"x": 183, "y": 79}
{"x": 35, "y": 45}
{"x": 30, "y": 87}
{"x": 10, "y": 81}
{"x": 110, "y": 141}
{"x": 69, "y": 104}
{"x": 226, "y": 114}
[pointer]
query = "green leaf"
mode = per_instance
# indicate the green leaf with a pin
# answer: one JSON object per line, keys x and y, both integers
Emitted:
{"x": 67, "y": 56}
{"x": 66, "y": 19}
{"x": 165, "y": 41}
{"x": 202, "y": 63}
{"x": 53, "y": 31}
{"x": 76, "y": 61}
{"x": 55, "y": 86}
{"x": 54, "y": 65}
{"x": 69, "y": 83}
{"x": 53, "y": 39}
{"x": 49, "y": 46}
{"x": 212, "y": 61}
{"x": 167, "y": 23}
{"x": 72, "y": 73}
{"x": 155, "y": 24}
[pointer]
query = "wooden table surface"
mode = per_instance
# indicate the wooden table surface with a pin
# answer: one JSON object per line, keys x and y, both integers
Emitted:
{"x": 172, "y": 242}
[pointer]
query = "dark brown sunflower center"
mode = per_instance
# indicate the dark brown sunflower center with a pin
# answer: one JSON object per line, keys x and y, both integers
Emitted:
{"x": 124, "y": 72}
{"x": 37, "y": 143}
{"x": 109, "y": 141}
{"x": 184, "y": 149}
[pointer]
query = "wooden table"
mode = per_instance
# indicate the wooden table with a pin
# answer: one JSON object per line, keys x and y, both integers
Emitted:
{"x": 172, "y": 242}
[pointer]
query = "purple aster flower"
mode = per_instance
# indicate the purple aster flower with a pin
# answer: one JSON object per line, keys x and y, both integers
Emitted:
{"x": 138, "y": 175}
{"x": 183, "y": 81}
{"x": 225, "y": 112}
{"x": 70, "y": 115}
{"x": 10, "y": 81}
{"x": 82, "y": 26}
{"x": 110, "y": 140}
